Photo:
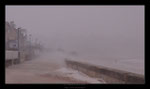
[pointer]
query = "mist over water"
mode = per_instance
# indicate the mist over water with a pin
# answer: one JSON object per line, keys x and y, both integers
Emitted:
{"x": 90, "y": 33}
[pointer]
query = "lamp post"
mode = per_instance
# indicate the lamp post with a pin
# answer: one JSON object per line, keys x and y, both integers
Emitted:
{"x": 18, "y": 46}
{"x": 30, "y": 50}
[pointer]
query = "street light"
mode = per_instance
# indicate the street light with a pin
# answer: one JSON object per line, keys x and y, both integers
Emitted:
{"x": 30, "y": 47}
{"x": 18, "y": 45}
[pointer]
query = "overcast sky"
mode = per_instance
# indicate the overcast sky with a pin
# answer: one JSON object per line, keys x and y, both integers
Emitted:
{"x": 106, "y": 31}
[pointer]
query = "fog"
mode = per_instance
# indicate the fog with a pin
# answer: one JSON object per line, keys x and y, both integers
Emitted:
{"x": 93, "y": 32}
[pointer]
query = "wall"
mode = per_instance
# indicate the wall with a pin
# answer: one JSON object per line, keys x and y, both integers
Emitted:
{"x": 108, "y": 74}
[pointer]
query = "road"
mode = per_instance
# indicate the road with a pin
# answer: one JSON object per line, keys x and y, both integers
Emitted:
{"x": 48, "y": 69}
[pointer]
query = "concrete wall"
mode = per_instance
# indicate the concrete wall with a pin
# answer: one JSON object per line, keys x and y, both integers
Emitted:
{"x": 108, "y": 74}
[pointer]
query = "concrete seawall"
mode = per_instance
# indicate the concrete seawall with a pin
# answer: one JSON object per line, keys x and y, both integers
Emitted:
{"x": 108, "y": 74}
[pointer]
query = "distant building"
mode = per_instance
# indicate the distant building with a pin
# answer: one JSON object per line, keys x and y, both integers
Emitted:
{"x": 22, "y": 44}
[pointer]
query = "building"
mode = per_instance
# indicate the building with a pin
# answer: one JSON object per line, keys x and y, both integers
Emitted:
{"x": 11, "y": 36}
{"x": 15, "y": 43}
{"x": 18, "y": 47}
{"x": 11, "y": 44}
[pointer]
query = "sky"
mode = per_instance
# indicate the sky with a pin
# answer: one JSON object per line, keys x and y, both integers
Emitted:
{"x": 97, "y": 31}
